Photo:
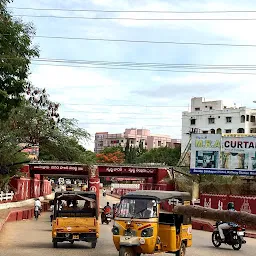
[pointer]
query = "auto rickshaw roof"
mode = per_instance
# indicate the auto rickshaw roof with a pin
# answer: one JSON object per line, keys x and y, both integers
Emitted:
{"x": 159, "y": 195}
{"x": 76, "y": 195}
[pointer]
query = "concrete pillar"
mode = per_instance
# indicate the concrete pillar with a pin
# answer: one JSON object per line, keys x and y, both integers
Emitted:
{"x": 94, "y": 182}
{"x": 32, "y": 186}
{"x": 195, "y": 190}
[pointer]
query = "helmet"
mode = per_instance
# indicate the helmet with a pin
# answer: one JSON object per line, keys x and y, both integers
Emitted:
{"x": 107, "y": 203}
{"x": 231, "y": 206}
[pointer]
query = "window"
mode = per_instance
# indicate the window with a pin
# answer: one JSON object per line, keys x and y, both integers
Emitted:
{"x": 240, "y": 130}
{"x": 228, "y": 131}
{"x": 211, "y": 120}
{"x": 205, "y": 132}
{"x": 137, "y": 208}
{"x": 219, "y": 131}
{"x": 243, "y": 119}
{"x": 192, "y": 121}
{"x": 229, "y": 119}
{"x": 253, "y": 119}
{"x": 247, "y": 118}
{"x": 210, "y": 107}
{"x": 212, "y": 131}
{"x": 159, "y": 143}
{"x": 197, "y": 109}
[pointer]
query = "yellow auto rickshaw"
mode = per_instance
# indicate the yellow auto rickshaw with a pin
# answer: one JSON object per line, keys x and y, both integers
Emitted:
{"x": 75, "y": 218}
{"x": 84, "y": 187}
{"x": 142, "y": 227}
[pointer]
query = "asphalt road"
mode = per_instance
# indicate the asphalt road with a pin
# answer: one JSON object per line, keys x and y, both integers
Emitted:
{"x": 30, "y": 238}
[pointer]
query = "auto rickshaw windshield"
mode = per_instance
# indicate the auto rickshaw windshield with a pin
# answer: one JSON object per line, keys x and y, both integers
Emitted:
{"x": 137, "y": 208}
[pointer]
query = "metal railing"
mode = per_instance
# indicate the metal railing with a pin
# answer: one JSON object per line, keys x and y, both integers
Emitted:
{"x": 6, "y": 196}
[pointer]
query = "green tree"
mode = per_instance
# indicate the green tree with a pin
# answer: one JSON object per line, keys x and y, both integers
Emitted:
{"x": 108, "y": 150}
{"x": 16, "y": 52}
{"x": 11, "y": 158}
{"x": 162, "y": 155}
{"x": 57, "y": 142}
{"x": 132, "y": 153}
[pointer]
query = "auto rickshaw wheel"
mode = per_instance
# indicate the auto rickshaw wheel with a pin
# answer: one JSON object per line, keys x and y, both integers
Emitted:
{"x": 55, "y": 244}
{"x": 126, "y": 251}
{"x": 182, "y": 250}
{"x": 72, "y": 242}
{"x": 94, "y": 244}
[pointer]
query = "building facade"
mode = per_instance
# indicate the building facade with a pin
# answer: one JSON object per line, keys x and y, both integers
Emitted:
{"x": 214, "y": 117}
{"x": 134, "y": 137}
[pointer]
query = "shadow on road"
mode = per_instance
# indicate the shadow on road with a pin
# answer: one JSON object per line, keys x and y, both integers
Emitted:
{"x": 78, "y": 245}
{"x": 219, "y": 248}
{"x": 46, "y": 230}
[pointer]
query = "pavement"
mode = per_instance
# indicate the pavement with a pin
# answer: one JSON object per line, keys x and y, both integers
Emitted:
{"x": 32, "y": 237}
{"x": 5, "y": 212}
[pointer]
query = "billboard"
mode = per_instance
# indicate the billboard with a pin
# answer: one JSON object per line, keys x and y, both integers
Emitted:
{"x": 214, "y": 154}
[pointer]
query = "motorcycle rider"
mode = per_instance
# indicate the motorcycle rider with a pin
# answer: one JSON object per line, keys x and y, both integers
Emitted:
{"x": 228, "y": 225}
{"x": 37, "y": 206}
{"x": 106, "y": 210}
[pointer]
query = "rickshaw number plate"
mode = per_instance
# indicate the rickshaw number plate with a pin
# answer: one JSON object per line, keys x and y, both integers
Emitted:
{"x": 75, "y": 236}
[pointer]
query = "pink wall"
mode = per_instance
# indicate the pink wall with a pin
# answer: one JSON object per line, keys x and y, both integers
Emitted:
{"x": 21, "y": 188}
{"x": 25, "y": 188}
{"x": 47, "y": 190}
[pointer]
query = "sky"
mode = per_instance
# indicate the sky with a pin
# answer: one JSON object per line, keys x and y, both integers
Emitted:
{"x": 103, "y": 99}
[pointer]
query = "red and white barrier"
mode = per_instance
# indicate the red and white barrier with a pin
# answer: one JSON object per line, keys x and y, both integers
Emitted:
{"x": 242, "y": 203}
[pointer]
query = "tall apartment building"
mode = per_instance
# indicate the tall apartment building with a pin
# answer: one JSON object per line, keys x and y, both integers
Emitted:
{"x": 214, "y": 117}
{"x": 134, "y": 136}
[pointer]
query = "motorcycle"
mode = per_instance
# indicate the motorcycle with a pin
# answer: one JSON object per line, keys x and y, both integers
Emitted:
{"x": 36, "y": 212}
{"x": 105, "y": 218}
{"x": 233, "y": 236}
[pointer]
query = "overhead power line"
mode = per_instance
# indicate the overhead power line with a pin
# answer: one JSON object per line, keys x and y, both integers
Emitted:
{"x": 127, "y": 11}
{"x": 124, "y": 105}
{"x": 149, "y": 64}
{"x": 143, "y": 69}
{"x": 145, "y": 41}
{"x": 152, "y": 115}
{"x": 126, "y": 124}
{"x": 131, "y": 18}
{"x": 136, "y": 66}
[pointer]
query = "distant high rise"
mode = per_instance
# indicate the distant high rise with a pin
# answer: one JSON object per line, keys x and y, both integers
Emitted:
{"x": 134, "y": 136}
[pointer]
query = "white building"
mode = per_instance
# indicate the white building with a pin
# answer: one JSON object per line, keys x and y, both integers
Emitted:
{"x": 214, "y": 117}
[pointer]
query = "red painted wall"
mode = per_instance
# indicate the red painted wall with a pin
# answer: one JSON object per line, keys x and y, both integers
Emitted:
{"x": 21, "y": 188}
{"x": 242, "y": 203}
{"x": 25, "y": 188}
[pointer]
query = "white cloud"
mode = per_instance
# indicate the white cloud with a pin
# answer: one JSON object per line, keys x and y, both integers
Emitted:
{"x": 96, "y": 86}
{"x": 70, "y": 85}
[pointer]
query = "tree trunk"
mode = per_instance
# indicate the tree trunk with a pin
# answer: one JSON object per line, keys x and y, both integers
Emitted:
{"x": 217, "y": 215}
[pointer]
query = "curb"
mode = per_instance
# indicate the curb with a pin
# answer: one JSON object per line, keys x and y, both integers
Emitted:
{"x": 208, "y": 227}
{"x": 22, "y": 214}
{"x": 115, "y": 196}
